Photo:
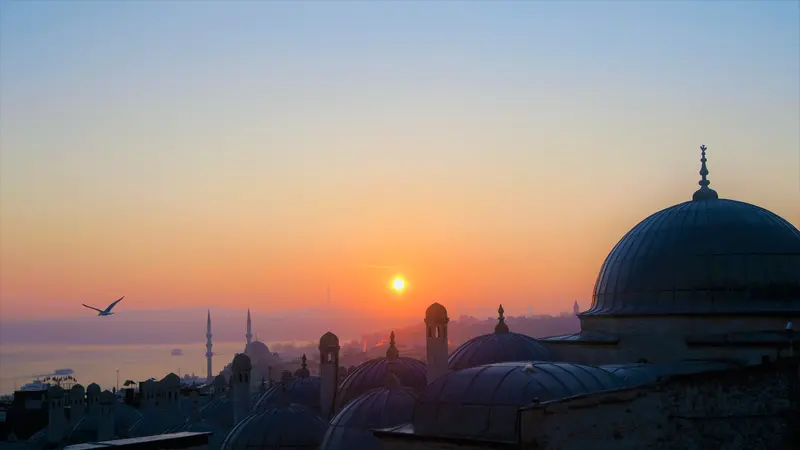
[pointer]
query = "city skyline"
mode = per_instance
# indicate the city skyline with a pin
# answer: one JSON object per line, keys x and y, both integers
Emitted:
{"x": 257, "y": 153}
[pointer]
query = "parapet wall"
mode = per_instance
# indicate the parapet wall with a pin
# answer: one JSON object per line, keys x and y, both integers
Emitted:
{"x": 749, "y": 408}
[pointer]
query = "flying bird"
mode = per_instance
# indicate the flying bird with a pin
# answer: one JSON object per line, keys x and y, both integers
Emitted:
{"x": 107, "y": 311}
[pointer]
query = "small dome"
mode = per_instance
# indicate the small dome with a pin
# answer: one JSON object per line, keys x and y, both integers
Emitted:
{"x": 328, "y": 340}
{"x": 241, "y": 363}
{"x": 436, "y": 312}
{"x": 352, "y": 427}
{"x": 55, "y": 392}
{"x": 713, "y": 256}
{"x": 482, "y": 402}
{"x": 289, "y": 427}
{"x": 372, "y": 374}
{"x": 77, "y": 391}
{"x": 93, "y": 389}
{"x": 498, "y": 348}
{"x": 300, "y": 390}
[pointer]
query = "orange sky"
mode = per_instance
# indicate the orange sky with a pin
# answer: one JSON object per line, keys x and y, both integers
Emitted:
{"x": 149, "y": 151}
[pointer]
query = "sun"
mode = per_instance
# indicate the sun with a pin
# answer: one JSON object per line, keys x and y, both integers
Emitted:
{"x": 398, "y": 284}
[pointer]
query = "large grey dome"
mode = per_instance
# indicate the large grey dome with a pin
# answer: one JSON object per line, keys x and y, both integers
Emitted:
{"x": 706, "y": 256}
{"x": 494, "y": 393}
{"x": 500, "y": 346}
{"x": 283, "y": 427}
{"x": 378, "y": 408}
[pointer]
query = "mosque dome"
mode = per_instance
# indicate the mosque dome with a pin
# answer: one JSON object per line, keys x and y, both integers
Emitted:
{"x": 494, "y": 393}
{"x": 289, "y": 426}
{"x": 171, "y": 381}
{"x": 302, "y": 390}
{"x": 377, "y": 408}
{"x": 705, "y": 256}
{"x": 500, "y": 346}
{"x": 260, "y": 355}
{"x": 372, "y": 374}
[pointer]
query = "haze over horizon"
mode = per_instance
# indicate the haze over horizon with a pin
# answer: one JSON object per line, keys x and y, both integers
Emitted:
{"x": 252, "y": 153}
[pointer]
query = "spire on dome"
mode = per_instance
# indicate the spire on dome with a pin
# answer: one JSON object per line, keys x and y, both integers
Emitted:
{"x": 249, "y": 334}
{"x": 501, "y": 326}
{"x": 705, "y": 192}
{"x": 392, "y": 351}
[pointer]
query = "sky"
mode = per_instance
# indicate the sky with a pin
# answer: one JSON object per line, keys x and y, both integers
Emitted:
{"x": 249, "y": 154}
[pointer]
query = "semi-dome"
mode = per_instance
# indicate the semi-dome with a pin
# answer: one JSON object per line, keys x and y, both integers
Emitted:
{"x": 705, "y": 256}
{"x": 282, "y": 427}
{"x": 482, "y": 402}
{"x": 377, "y": 408}
{"x": 500, "y": 346}
{"x": 372, "y": 374}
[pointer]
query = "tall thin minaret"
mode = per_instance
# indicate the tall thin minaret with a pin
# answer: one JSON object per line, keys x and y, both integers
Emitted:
{"x": 576, "y": 308}
{"x": 249, "y": 334}
{"x": 209, "y": 353}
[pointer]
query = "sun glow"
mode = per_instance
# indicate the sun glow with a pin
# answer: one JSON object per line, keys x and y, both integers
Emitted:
{"x": 398, "y": 284}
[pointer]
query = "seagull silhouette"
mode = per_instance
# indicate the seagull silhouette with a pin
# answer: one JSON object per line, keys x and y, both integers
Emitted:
{"x": 107, "y": 311}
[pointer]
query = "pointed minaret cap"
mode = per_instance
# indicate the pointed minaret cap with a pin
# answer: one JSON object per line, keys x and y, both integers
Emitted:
{"x": 303, "y": 370}
{"x": 392, "y": 352}
{"x": 501, "y": 326}
{"x": 705, "y": 192}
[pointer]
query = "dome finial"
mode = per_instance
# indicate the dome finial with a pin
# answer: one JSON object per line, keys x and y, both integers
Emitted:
{"x": 392, "y": 351}
{"x": 501, "y": 326}
{"x": 705, "y": 192}
{"x": 304, "y": 361}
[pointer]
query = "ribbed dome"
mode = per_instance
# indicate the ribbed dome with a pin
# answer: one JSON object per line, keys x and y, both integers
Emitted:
{"x": 301, "y": 390}
{"x": 710, "y": 256}
{"x": 498, "y": 347}
{"x": 377, "y": 408}
{"x": 372, "y": 374}
{"x": 286, "y": 427}
{"x": 482, "y": 402}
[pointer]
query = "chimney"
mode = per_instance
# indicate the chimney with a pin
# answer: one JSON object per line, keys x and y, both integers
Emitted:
{"x": 77, "y": 404}
{"x": 328, "y": 373}
{"x": 436, "y": 339}
{"x": 105, "y": 418}
{"x": 240, "y": 381}
{"x": 57, "y": 426}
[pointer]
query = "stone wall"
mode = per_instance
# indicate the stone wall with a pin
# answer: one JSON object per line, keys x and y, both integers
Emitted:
{"x": 747, "y": 408}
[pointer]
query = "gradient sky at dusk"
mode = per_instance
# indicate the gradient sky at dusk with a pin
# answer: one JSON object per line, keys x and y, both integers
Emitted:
{"x": 246, "y": 154}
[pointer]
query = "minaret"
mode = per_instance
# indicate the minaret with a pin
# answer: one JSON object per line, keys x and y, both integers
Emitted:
{"x": 209, "y": 353}
{"x": 249, "y": 334}
{"x": 328, "y": 373}
{"x": 436, "y": 339}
